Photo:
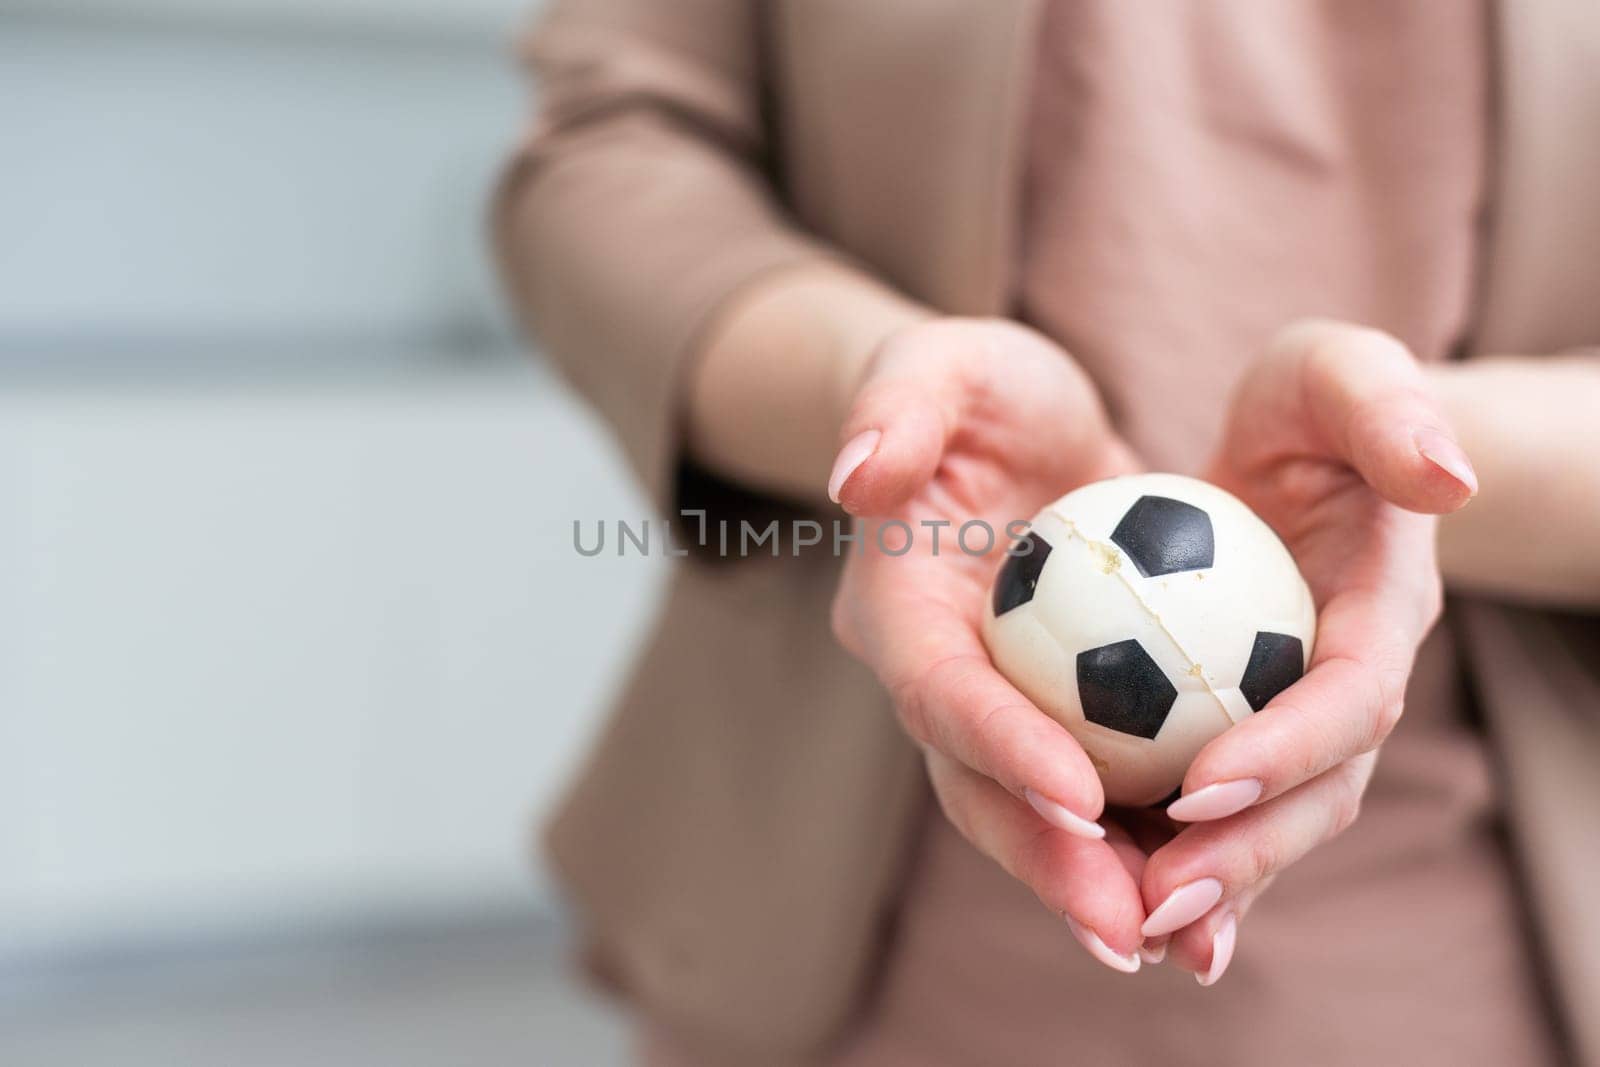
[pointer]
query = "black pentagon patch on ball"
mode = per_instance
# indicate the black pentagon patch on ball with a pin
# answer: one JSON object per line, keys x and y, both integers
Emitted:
{"x": 1019, "y": 575}
{"x": 1122, "y": 689}
{"x": 1276, "y": 662}
{"x": 1163, "y": 536}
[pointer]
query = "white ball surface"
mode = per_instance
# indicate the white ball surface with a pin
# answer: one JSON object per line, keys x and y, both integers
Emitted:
{"x": 1162, "y": 612}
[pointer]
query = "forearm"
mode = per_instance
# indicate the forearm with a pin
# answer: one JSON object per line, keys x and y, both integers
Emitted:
{"x": 643, "y": 244}
{"x": 773, "y": 380}
{"x": 1532, "y": 428}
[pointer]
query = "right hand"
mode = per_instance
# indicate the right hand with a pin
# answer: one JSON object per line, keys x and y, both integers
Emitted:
{"x": 956, "y": 420}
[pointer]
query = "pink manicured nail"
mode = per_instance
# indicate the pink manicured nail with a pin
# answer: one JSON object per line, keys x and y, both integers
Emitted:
{"x": 855, "y": 452}
{"x": 1216, "y": 801}
{"x": 1153, "y": 956}
{"x": 1183, "y": 906}
{"x": 1222, "y": 943}
{"x": 1100, "y": 950}
{"x": 1445, "y": 454}
{"x": 1062, "y": 819}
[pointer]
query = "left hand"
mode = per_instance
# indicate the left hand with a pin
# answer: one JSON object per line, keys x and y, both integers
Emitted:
{"x": 955, "y": 421}
{"x": 1334, "y": 441}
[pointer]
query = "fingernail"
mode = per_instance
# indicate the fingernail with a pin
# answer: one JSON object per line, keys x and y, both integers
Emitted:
{"x": 855, "y": 452}
{"x": 1445, "y": 454}
{"x": 1062, "y": 819}
{"x": 1100, "y": 950}
{"x": 1183, "y": 906}
{"x": 1155, "y": 955}
{"x": 1222, "y": 943}
{"x": 1216, "y": 801}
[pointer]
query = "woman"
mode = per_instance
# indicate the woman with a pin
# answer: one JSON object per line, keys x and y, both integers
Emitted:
{"x": 946, "y": 261}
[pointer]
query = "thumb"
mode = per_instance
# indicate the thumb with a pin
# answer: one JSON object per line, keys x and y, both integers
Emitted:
{"x": 896, "y": 433}
{"x": 1366, "y": 398}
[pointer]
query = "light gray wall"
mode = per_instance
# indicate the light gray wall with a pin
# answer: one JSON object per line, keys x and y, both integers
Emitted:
{"x": 485, "y": 20}
{"x": 180, "y": 172}
{"x": 291, "y": 631}
{"x": 305, "y": 655}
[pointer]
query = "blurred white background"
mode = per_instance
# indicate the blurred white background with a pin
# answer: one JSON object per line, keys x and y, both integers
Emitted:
{"x": 294, "y": 647}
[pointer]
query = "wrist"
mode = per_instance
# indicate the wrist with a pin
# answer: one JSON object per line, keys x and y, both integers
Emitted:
{"x": 774, "y": 379}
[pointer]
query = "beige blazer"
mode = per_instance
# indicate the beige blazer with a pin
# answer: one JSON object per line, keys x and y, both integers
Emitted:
{"x": 736, "y": 841}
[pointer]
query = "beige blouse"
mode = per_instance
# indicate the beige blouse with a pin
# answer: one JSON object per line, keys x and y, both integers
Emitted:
{"x": 1202, "y": 173}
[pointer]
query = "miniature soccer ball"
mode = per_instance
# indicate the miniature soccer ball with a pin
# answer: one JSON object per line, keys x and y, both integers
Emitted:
{"x": 1147, "y": 614}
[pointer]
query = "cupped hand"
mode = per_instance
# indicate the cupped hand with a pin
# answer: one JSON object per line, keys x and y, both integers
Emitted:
{"x": 959, "y": 429}
{"x": 1334, "y": 441}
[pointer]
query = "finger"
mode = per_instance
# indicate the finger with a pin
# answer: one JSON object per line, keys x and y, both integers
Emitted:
{"x": 1083, "y": 881}
{"x": 1133, "y": 857}
{"x": 928, "y": 655}
{"x": 897, "y": 429}
{"x": 1154, "y": 949}
{"x": 1366, "y": 397}
{"x": 1346, "y": 705}
{"x": 1135, "y": 833}
{"x": 965, "y": 709}
{"x": 1206, "y": 946}
{"x": 1213, "y": 862}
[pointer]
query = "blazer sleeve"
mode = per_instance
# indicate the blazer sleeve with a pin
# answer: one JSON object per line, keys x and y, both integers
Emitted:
{"x": 639, "y": 204}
